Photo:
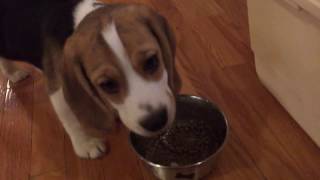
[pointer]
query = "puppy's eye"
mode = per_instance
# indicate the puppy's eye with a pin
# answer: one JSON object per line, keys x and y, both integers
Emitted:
{"x": 110, "y": 86}
{"x": 151, "y": 65}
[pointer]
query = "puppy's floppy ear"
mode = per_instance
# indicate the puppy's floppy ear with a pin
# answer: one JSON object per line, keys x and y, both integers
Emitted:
{"x": 80, "y": 92}
{"x": 162, "y": 31}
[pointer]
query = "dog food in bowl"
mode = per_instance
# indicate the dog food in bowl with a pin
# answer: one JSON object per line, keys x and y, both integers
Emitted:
{"x": 185, "y": 143}
{"x": 188, "y": 148}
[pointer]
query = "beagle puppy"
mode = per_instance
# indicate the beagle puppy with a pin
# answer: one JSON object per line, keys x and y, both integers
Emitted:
{"x": 101, "y": 62}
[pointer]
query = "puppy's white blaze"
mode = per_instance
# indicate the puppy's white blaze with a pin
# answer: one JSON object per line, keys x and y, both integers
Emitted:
{"x": 140, "y": 91}
{"x": 82, "y": 10}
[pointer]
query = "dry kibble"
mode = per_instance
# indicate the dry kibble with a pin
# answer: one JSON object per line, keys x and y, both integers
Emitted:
{"x": 198, "y": 132}
{"x": 185, "y": 143}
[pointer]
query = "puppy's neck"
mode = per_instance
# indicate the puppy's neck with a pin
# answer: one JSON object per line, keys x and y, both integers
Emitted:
{"x": 83, "y": 8}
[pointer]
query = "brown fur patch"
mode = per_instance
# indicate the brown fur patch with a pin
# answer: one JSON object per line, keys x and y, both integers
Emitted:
{"x": 88, "y": 59}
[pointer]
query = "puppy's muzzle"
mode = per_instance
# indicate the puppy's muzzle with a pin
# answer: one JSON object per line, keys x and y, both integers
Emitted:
{"x": 156, "y": 121}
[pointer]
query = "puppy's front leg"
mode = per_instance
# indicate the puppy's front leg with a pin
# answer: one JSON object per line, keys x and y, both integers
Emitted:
{"x": 84, "y": 145}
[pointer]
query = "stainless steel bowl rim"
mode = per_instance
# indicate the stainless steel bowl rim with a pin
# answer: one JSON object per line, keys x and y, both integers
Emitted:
{"x": 197, "y": 163}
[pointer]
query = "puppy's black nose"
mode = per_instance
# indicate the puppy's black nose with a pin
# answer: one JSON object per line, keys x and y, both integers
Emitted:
{"x": 156, "y": 121}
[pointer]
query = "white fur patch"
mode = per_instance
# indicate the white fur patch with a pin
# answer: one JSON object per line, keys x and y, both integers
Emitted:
{"x": 83, "y": 9}
{"x": 84, "y": 145}
{"x": 140, "y": 91}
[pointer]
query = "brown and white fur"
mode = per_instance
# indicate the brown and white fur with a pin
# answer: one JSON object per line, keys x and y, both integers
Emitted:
{"x": 117, "y": 62}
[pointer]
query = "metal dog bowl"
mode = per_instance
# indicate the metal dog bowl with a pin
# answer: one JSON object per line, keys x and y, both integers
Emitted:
{"x": 188, "y": 149}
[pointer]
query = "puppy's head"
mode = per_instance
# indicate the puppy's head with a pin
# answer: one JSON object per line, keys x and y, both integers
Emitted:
{"x": 120, "y": 61}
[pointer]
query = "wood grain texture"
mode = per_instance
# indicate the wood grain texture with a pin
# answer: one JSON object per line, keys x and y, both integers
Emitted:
{"x": 47, "y": 135}
{"x": 215, "y": 61}
{"x": 120, "y": 163}
{"x": 15, "y": 132}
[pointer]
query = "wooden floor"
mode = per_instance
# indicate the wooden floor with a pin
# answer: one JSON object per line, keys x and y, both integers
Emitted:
{"x": 215, "y": 61}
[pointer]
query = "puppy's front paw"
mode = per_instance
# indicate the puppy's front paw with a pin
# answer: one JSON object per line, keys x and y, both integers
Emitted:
{"x": 90, "y": 148}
